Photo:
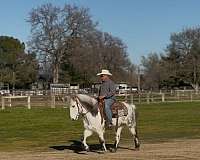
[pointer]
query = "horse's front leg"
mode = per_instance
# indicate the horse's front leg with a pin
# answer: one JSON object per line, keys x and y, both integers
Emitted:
{"x": 102, "y": 140}
{"x": 86, "y": 134}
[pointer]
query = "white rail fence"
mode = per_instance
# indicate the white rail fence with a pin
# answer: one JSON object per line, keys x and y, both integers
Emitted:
{"x": 9, "y": 98}
{"x": 155, "y": 97}
{"x": 135, "y": 98}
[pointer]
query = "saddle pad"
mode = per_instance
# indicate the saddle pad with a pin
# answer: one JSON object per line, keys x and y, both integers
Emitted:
{"x": 119, "y": 109}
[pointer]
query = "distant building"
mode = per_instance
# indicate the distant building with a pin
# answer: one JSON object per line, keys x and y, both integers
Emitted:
{"x": 59, "y": 88}
{"x": 74, "y": 86}
{"x": 4, "y": 89}
{"x": 123, "y": 88}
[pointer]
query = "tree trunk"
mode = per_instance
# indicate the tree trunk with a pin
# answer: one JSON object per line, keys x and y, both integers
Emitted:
{"x": 13, "y": 80}
{"x": 196, "y": 85}
{"x": 55, "y": 73}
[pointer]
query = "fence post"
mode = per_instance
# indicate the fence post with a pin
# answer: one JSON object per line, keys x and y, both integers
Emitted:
{"x": 163, "y": 97}
{"x": 131, "y": 98}
{"x": 3, "y": 103}
{"x": 139, "y": 98}
{"x": 148, "y": 98}
{"x": 191, "y": 97}
{"x": 151, "y": 97}
{"x": 178, "y": 95}
{"x": 53, "y": 101}
{"x": 29, "y": 102}
{"x": 10, "y": 102}
{"x": 67, "y": 102}
{"x": 126, "y": 99}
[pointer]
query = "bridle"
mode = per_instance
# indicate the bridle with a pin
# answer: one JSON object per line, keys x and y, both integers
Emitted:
{"x": 80, "y": 108}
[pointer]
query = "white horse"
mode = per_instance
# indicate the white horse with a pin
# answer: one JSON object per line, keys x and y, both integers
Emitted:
{"x": 86, "y": 106}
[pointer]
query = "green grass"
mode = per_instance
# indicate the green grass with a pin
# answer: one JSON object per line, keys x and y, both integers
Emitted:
{"x": 38, "y": 128}
{"x": 169, "y": 120}
{"x": 41, "y": 128}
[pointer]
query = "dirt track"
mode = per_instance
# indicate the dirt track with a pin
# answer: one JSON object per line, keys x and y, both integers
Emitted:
{"x": 174, "y": 150}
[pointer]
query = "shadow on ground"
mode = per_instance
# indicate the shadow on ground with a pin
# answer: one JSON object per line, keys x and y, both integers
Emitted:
{"x": 77, "y": 147}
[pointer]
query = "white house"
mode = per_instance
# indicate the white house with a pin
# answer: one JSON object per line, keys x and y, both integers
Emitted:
{"x": 123, "y": 88}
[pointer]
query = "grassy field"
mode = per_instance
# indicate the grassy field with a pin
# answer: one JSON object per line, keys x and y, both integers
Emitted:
{"x": 42, "y": 128}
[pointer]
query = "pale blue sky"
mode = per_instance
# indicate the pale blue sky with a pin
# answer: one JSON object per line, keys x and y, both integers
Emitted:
{"x": 143, "y": 25}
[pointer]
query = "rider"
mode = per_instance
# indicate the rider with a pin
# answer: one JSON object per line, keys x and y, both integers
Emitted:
{"x": 107, "y": 93}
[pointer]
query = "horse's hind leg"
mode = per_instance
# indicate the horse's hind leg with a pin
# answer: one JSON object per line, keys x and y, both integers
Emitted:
{"x": 136, "y": 141}
{"x": 133, "y": 130}
{"x": 117, "y": 138}
{"x": 87, "y": 133}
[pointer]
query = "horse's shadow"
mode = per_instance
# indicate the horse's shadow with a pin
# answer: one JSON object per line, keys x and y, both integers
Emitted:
{"x": 77, "y": 147}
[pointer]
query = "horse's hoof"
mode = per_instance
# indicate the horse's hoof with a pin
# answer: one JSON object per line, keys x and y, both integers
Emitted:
{"x": 113, "y": 150}
{"x": 87, "y": 149}
{"x": 137, "y": 148}
{"x": 102, "y": 152}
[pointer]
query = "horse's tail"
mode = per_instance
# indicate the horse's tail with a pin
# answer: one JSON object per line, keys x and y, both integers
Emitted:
{"x": 134, "y": 118}
{"x": 133, "y": 107}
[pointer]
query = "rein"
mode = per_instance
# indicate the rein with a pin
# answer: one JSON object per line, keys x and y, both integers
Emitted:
{"x": 81, "y": 112}
{"x": 80, "y": 109}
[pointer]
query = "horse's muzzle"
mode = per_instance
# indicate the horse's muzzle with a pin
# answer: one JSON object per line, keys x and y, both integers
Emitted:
{"x": 74, "y": 119}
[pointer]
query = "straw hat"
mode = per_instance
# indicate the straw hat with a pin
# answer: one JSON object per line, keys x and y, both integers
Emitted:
{"x": 104, "y": 72}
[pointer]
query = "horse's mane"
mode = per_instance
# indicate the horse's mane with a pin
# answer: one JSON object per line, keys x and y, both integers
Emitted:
{"x": 89, "y": 102}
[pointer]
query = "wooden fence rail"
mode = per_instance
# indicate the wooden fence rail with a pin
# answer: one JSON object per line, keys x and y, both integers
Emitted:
{"x": 63, "y": 100}
{"x": 3, "y": 98}
{"x": 160, "y": 97}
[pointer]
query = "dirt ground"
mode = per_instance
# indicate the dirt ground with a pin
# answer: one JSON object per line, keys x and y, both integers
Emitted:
{"x": 173, "y": 150}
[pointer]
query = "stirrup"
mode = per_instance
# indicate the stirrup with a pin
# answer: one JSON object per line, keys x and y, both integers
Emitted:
{"x": 109, "y": 125}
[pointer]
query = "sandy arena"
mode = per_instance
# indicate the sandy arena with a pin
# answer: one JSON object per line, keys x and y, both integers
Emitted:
{"x": 174, "y": 150}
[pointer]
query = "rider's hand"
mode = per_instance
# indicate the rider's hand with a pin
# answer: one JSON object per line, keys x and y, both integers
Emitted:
{"x": 101, "y": 97}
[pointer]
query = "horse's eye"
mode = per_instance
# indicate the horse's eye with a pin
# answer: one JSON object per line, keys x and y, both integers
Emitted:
{"x": 73, "y": 106}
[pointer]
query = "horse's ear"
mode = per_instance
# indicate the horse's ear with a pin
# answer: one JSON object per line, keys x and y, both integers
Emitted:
{"x": 73, "y": 96}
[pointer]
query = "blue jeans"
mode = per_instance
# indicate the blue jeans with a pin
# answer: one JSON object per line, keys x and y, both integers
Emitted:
{"x": 108, "y": 104}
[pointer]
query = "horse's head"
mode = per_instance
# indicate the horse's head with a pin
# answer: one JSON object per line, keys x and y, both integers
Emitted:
{"x": 74, "y": 108}
{"x": 81, "y": 105}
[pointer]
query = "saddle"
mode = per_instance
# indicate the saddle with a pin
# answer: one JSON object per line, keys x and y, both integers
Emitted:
{"x": 118, "y": 109}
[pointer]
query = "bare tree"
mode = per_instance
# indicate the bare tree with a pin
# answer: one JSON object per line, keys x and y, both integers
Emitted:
{"x": 151, "y": 71}
{"x": 102, "y": 50}
{"x": 54, "y": 30}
